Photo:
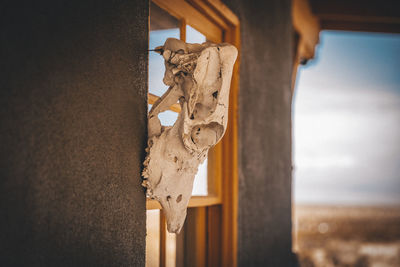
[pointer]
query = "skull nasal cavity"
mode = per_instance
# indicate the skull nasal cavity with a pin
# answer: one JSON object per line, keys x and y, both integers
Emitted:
{"x": 179, "y": 198}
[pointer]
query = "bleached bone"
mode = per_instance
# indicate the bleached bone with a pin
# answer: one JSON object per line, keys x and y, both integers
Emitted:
{"x": 199, "y": 77}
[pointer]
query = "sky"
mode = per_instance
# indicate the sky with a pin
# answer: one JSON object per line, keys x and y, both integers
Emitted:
{"x": 346, "y": 121}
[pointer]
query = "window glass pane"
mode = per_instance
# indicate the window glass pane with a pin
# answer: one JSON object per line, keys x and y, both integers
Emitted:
{"x": 153, "y": 238}
{"x": 162, "y": 26}
{"x": 194, "y": 36}
{"x": 167, "y": 117}
{"x": 200, "y": 187}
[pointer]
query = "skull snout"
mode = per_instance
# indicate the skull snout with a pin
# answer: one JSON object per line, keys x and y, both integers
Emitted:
{"x": 175, "y": 211}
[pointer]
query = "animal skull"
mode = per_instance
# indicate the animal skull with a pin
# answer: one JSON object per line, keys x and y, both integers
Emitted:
{"x": 199, "y": 77}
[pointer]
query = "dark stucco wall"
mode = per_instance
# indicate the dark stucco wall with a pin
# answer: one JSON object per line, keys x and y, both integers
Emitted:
{"x": 73, "y": 130}
{"x": 265, "y": 133}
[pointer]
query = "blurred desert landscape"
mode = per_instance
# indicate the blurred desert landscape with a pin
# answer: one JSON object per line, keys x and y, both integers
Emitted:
{"x": 327, "y": 236}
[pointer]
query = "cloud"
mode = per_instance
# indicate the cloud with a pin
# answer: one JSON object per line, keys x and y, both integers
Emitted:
{"x": 346, "y": 139}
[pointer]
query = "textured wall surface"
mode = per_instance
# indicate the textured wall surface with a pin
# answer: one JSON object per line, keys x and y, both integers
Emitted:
{"x": 73, "y": 132}
{"x": 265, "y": 133}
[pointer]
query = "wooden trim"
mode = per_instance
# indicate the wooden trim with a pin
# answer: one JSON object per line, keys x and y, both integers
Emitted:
{"x": 230, "y": 178}
{"x": 392, "y": 27}
{"x": 223, "y": 11}
{"x": 296, "y": 59}
{"x": 307, "y": 26}
{"x": 196, "y": 237}
{"x": 163, "y": 239}
{"x": 195, "y": 201}
{"x": 205, "y": 8}
{"x": 183, "y": 10}
{"x": 200, "y": 201}
{"x": 214, "y": 172}
{"x": 367, "y": 16}
{"x": 214, "y": 245}
{"x": 182, "y": 30}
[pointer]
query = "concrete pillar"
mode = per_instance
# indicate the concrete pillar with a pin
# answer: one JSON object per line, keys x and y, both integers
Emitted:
{"x": 73, "y": 132}
{"x": 264, "y": 234}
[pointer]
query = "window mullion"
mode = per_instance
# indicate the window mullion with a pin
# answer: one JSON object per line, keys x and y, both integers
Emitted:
{"x": 182, "y": 29}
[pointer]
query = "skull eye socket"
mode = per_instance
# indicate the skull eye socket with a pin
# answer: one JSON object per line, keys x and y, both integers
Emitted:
{"x": 215, "y": 94}
{"x": 179, "y": 198}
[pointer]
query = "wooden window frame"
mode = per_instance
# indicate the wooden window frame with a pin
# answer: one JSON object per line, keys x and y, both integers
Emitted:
{"x": 215, "y": 215}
